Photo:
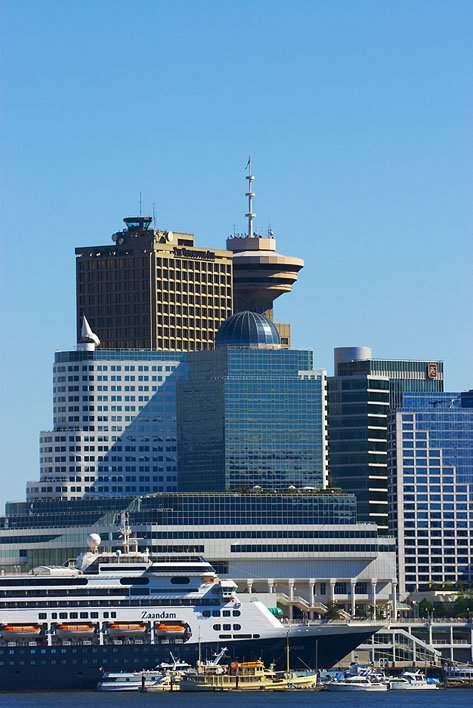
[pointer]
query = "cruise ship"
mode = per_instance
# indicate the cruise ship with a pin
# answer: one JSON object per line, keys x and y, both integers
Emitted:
{"x": 62, "y": 627}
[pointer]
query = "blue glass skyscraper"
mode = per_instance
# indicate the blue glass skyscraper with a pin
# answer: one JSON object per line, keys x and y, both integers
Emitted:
{"x": 251, "y": 413}
{"x": 431, "y": 492}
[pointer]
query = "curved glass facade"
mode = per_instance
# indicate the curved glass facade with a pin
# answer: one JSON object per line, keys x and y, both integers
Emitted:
{"x": 251, "y": 417}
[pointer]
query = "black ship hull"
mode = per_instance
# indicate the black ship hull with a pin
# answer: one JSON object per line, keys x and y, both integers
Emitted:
{"x": 26, "y": 668}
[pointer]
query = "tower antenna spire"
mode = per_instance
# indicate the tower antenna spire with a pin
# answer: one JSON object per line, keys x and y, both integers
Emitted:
{"x": 154, "y": 216}
{"x": 250, "y": 194}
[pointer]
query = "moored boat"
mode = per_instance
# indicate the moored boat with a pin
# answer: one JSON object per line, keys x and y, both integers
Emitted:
{"x": 412, "y": 680}
{"x": 246, "y": 676}
{"x": 128, "y": 681}
{"x": 356, "y": 684}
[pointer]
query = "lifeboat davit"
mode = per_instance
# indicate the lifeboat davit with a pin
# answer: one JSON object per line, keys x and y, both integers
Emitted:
{"x": 20, "y": 631}
{"x": 126, "y": 629}
{"x": 170, "y": 630}
{"x": 75, "y": 630}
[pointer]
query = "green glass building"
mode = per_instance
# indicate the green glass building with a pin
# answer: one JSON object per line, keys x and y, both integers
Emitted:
{"x": 251, "y": 413}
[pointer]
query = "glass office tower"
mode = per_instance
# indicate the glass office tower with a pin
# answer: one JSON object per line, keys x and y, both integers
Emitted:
{"x": 358, "y": 408}
{"x": 251, "y": 413}
{"x": 360, "y": 396}
{"x": 431, "y": 474}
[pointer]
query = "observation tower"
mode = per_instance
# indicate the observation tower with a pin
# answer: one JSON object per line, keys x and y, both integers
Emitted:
{"x": 260, "y": 273}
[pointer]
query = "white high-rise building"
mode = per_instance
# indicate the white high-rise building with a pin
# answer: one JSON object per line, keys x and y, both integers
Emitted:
{"x": 114, "y": 429}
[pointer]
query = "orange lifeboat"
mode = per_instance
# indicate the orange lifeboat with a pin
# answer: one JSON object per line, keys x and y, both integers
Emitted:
{"x": 20, "y": 631}
{"x": 170, "y": 630}
{"x": 126, "y": 629}
{"x": 75, "y": 630}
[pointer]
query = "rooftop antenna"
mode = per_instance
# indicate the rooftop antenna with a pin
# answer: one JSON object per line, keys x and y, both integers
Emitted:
{"x": 250, "y": 194}
{"x": 154, "y": 216}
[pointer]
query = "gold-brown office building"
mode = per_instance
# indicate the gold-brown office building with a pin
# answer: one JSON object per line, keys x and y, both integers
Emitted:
{"x": 153, "y": 289}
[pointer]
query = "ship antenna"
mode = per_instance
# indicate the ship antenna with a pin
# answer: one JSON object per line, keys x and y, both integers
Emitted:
{"x": 250, "y": 194}
{"x": 140, "y": 203}
{"x": 125, "y": 531}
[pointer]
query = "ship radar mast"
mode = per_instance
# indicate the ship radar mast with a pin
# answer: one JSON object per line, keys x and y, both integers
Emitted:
{"x": 250, "y": 194}
{"x": 128, "y": 542}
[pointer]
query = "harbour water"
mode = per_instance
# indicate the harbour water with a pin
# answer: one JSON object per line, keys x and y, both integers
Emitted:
{"x": 453, "y": 698}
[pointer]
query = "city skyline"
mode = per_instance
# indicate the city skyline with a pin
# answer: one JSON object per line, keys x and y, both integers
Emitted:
{"x": 359, "y": 146}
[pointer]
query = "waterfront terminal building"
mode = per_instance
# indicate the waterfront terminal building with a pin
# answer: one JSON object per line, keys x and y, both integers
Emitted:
{"x": 301, "y": 549}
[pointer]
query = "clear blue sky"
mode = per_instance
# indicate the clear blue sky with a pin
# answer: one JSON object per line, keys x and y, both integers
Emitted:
{"x": 358, "y": 117}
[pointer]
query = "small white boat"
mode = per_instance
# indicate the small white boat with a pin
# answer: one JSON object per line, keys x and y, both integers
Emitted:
{"x": 411, "y": 680}
{"x": 132, "y": 681}
{"x": 356, "y": 684}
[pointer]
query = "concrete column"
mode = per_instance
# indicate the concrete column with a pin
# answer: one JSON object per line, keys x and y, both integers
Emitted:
{"x": 394, "y": 599}
{"x": 430, "y": 634}
{"x": 353, "y": 596}
{"x": 271, "y": 585}
{"x": 451, "y": 643}
{"x": 311, "y": 596}
{"x": 374, "y": 582}
{"x": 291, "y": 582}
{"x": 332, "y": 582}
{"x": 249, "y": 584}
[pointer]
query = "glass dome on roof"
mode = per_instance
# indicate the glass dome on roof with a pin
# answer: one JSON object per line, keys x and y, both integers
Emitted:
{"x": 247, "y": 329}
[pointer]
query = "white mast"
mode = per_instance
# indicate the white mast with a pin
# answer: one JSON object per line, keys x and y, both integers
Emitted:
{"x": 250, "y": 194}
